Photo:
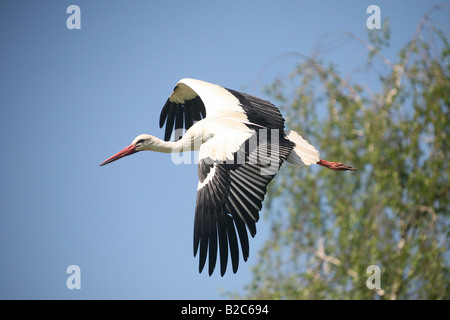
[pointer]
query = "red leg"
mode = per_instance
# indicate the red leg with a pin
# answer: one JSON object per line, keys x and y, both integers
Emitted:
{"x": 337, "y": 166}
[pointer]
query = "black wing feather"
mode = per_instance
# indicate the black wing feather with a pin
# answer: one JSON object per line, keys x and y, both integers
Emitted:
{"x": 188, "y": 115}
{"x": 243, "y": 238}
{"x": 181, "y": 115}
{"x": 179, "y": 123}
{"x": 204, "y": 239}
{"x": 222, "y": 227}
{"x": 170, "y": 121}
{"x": 234, "y": 194}
{"x": 164, "y": 112}
{"x": 234, "y": 249}
{"x": 260, "y": 111}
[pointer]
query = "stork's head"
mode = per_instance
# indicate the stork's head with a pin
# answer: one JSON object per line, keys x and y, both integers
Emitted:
{"x": 141, "y": 142}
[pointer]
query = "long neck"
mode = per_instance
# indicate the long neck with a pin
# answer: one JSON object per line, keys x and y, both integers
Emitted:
{"x": 184, "y": 144}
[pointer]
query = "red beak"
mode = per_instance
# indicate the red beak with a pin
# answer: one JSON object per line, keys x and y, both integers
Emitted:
{"x": 122, "y": 153}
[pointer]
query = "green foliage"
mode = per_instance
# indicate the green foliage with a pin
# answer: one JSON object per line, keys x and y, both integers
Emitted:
{"x": 328, "y": 227}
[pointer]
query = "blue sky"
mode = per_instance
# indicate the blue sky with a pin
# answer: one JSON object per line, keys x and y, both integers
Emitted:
{"x": 71, "y": 98}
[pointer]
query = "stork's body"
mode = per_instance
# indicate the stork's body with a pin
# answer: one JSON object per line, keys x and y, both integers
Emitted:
{"x": 242, "y": 143}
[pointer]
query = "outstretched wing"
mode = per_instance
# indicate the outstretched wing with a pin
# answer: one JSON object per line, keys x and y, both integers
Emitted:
{"x": 230, "y": 195}
{"x": 192, "y": 100}
{"x": 183, "y": 108}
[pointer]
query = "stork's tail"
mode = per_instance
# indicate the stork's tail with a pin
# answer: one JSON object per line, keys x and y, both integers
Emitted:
{"x": 303, "y": 151}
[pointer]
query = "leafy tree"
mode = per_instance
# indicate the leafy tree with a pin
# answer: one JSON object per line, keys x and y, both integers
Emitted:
{"x": 328, "y": 227}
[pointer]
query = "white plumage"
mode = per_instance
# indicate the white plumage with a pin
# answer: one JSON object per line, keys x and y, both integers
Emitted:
{"x": 242, "y": 144}
{"x": 303, "y": 150}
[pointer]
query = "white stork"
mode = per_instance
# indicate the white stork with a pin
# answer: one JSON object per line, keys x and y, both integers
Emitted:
{"x": 242, "y": 143}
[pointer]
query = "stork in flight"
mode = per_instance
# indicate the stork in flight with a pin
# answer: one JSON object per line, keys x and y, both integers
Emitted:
{"x": 242, "y": 143}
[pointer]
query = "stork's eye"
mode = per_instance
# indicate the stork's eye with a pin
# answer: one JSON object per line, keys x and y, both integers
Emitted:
{"x": 140, "y": 141}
